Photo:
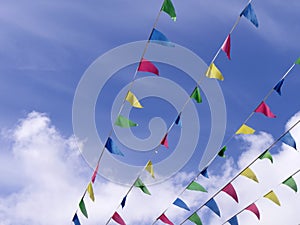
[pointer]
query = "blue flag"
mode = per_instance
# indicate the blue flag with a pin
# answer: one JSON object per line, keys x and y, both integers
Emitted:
{"x": 233, "y": 221}
{"x": 205, "y": 173}
{"x": 159, "y": 38}
{"x": 178, "y": 120}
{"x": 213, "y": 206}
{"x": 123, "y": 201}
{"x": 178, "y": 202}
{"x": 249, "y": 13}
{"x": 289, "y": 140}
{"x": 75, "y": 220}
{"x": 112, "y": 148}
{"x": 277, "y": 87}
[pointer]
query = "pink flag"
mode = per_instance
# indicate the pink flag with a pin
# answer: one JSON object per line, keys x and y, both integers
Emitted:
{"x": 147, "y": 66}
{"x": 164, "y": 141}
{"x": 264, "y": 109}
{"x": 165, "y": 219}
{"x": 226, "y": 46}
{"x": 253, "y": 208}
{"x": 117, "y": 218}
{"x": 95, "y": 173}
{"x": 229, "y": 189}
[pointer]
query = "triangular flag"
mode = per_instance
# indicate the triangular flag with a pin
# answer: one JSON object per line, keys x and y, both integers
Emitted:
{"x": 118, "y": 219}
{"x": 264, "y": 109}
{"x": 149, "y": 168}
{"x": 277, "y": 87}
{"x": 222, "y": 152}
{"x": 112, "y": 147}
{"x": 181, "y": 204}
{"x": 229, "y": 189}
{"x": 290, "y": 182}
{"x": 298, "y": 61}
{"x": 82, "y": 208}
{"x": 123, "y": 201}
{"x": 194, "y": 186}
{"x": 272, "y": 196}
{"x": 75, "y": 220}
{"x": 147, "y": 66}
{"x": 178, "y": 120}
{"x": 205, "y": 173}
{"x": 214, "y": 72}
{"x": 91, "y": 191}
{"x": 226, "y": 46}
{"x": 244, "y": 129}
{"x": 196, "y": 95}
{"x": 169, "y": 9}
{"x": 266, "y": 155}
{"x": 138, "y": 183}
{"x": 253, "y": 208}
{"x": 233, "y": 221}
{"x": 195, "y": 219}
{"x": 130, "y": 97}
{"x": 124, "y": 122}
{"x": 159, "y": 38}
{"x": 249, "y": 174}
{"x": 164, "y": 141}
{"x": 165, "y": 219}
{"x": 249, "y": 13}
{"x": 213, "y": 206}
{"x": 289, "y": 140}
{"x": 95, "y": 173}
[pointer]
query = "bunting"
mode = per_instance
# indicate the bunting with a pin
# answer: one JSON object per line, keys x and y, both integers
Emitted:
{"x": 165, "y": 219}
{"x": 226, "y": 46}
{"x": 244, "y": 129}
{"x": 132, "y": 99}
{"x": 214, "y": 72}
{"x": 249, "y": 13}
{"x": 264, "y": 109}
{"x": 229, "y": 189}
{"x": 253, "y": 208}
{"x": 222, "y": 152}
{"x": 82, "y": 208}
{"x": 149, "y": 168}
{"x": 233, "y": 221}
{"x": 112, "y": 147}
{"x": 123, "y": 201}
{"x": 272, "y": 196}
{"x": 178, "y": 120}
{"x": 290, "y": 182}
{"x": 147, "y": 66}
{"x": 289, "y": 140}
{"x": 249, "y": 174}
{"x": 181, "y": 204}
{"x": 266, "y": 155}
{"x": 138, "y": 183}
{"x": 159, "y": 38}
{"x": 95, "y": 173}
{"x": 75, "y": 220}
{"x": 194, "y": 186}
{"x": 169, "y": 9}
{"x": 91, "y": 192}
{"x": 118, "y": 219}
{"x": 196, "y": 95}
{"x": 164, "y": 141}
{"x": 122, "y": 121}
{"x": 204, "y": 173}
{"x": 277, "y": 87}
{"x": 213, "y": 206}
{"x": 195, "y": 219}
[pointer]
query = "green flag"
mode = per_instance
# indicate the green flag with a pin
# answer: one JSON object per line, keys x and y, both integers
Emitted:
{"x": 266, "y": 155}
{"x": 290, "y": 182}
{"x": 169, "y": 9}
{"x": 194, "y": 186}
{"x": 138, "y": 183}
{"x": 124, "y": 122}
{"x": 298, "y": 61}
{"x": 196, "y": 95}
{"x": 82, "y": 208}
{"x": 195, "y": 219}
{"x": 222, "y": 152}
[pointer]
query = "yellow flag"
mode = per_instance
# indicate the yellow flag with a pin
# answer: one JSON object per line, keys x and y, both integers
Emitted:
{"x": 272, "y": 196}
{"x": 249, "y": 174}
{"x": 214, "y": 72}
{"x": 133, "y": 100}
{"x": 149, "y": 168}
{"x": 244, "y": 129}
{"x": 91, "y": 191}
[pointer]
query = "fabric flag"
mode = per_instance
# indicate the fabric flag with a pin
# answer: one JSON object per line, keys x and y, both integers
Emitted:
{"x": 82, "y": 208}
{"x": 264, "y": 109}
{"x": 123, "y": 201}
{"x": 277, "y": 87}
{"x": 244, "y": 129}
{"x": 75, "y": 220}
{"x": 266, "y": 155}
{"x": 226, "y": 46}
{"x": 196, "y": 95}
{"x": 205, "y": 173}
{"x": 233, "y": 221}
{"x": 147, "y": 66}
{"x": 91, "y": 191}
{"x": 194, "y": 186}
{"x": 289, "y": 140}
{"x": 164, "y": 141}
{"x": 149, "y": 168}
{"x": 229, "y": 189}
{"x": 272, "y": 196}
{"x": 159, "y": 38}
{"x": 95, "y": 173}
{"x": 298, "y": 61}
{"x": 249, "y": 13}
{"x": 214, "y": 72}
{"x": 178, "y": 120}
{"x": 253, "y": 208}
{"x": 118, "y": 219}
{"x": 130, "y": 97}
{"x": 181, "y": 204}
{"x": 169, "y": 9}
{"x": 222, "y": 152}
{"x": 138, "y": 183}
{"x": 213, "y": 206}
{"x": 195, "y": 219}
{"x": 249, "y": 174}
{"x": 112, "y": 147}
{"x": 165, "y": 219}
{"x": 124, "y": 122}
{"x": 290, "y": 182}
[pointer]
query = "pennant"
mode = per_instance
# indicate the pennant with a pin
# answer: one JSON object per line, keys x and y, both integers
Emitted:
{"x": 169, "y": 9}
{"x": 91, "y": 191}
{"x": 229, "y": 189}
{"x": 123, "y": 201}
{"x": 289, "y": 140}
{"x": 147, "y": 66}
{"x": 298, "y": 61}
{"x": 165, "y": 219}
{"x": 249, "y": 13}
{"x": 178, "y": 120}
{"x": 205, "y": 173}
{"x": 75, "y": 220}
{"x": 244, "y": 129}
{"x": 159, "y": 38}
{"x": 266, "y": 155}
{"x": 194, "y": 186}
{"x": 249, "y": 174}
{"x": 196, "y": 95}
{"x": 112, "y": 147}
{"x": 82, "y": 208}
{"x": 222, "y": 152}
{"x": 149, "y": 168}
{"x": 264, "y": 109}
{"x": 214, "y": 72}
{"x": 290, "y": 182}
{"x": 195, "y": 219}
{"x": 181, "y": 204}
{"x": 233, "y": 221}
{"x": 118, "y": 219}
{"x": 95, "y": 173}
{"x": 272, "y": 196}
{"x": 213, "y": 206}
{"x": 277, "y": 87}
{"x": 226, "y": 46}
{"x": 164, "y": 141}
{"x": 253, "y": 208}
{"x": 138, "y": 183}
{"x": 124, "y": 122}
{"x": 130, "y": 97}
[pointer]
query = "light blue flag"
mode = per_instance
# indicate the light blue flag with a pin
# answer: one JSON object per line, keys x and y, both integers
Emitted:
{"x": 213, "y": 206}
{"x": 204, "y": 173}
{"x": 277, "y": 87}
{"x": 159, "y": 38}
{"x": 178, "y": 202}
{"x": 249, "y": 13}
{"x": 75, "y": 220}
{"x": 289, "y": 140}
{"x": 233, "y": 221}
{"x": 112, "y": 147}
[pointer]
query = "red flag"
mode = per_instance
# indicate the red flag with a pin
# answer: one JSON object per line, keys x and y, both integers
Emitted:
{"x": 229, "y": 189}
{"x": 226, "y": 46}
{"x": 164, "y": 141}
{"x": 147, "y": 66}
{"x": 253, "y": 208}
{"x": 264, "y": 109}
{"x": 117, "y": 218}
{"x": 95, "y": 173}
{"x": 165, "y": 219}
